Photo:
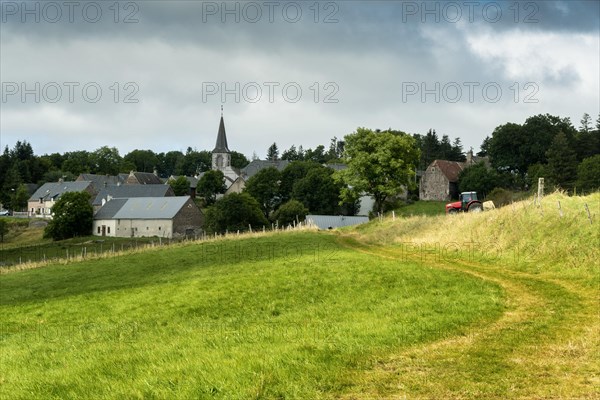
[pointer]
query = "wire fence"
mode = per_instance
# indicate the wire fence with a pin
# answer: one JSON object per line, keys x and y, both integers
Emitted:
{"x": 98, "y": 248}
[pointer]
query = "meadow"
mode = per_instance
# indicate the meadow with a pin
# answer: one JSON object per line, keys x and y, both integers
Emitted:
{"x": 497, "y": 305}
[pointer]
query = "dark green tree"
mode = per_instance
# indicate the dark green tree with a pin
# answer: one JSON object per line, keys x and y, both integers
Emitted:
{"x": 210, "y": 185}
{"x": 106, "y": 161}
{"x": 318, "y": 191}
{"x": 478, "y": 178}
{"x": 181, "y": 186}
{"x": 236, "y": 211}
{"x": 485, "y": 147}
{"x": 588, "y": 174}
{"x": 195, "y": 162}
{"x": 264, "y": 187}
{"x": 273, "y": 152}
{"x": 169, "y": 163}
{"x": 289, "y": 212}
{"x": 238, "y": 160}
{"x": 292, "y": 173}
{"x": 72, "y": 216}
{"x": 77, "y": 162}
{"x": 142, "y": 160}
{"x": 562, "y": 163}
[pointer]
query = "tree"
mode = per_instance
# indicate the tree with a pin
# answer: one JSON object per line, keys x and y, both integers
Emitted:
{"x": 290, "y": 154}
{"x": 72, "y": 216}
{"x": 485, "y": 147}
{"x": 195, "y": 162}
{"x": 3, "y": 229}
{"x": 238, "y": 160}
{"x": 19, "y": 199}
{"x": 562, "y": 163}
{"x": 318, "y": 191}
{"x": 289, "y": 212}
{"x": 588, "y": 174}
{"x": 169, "y": 163}
{"x": 210, "y": 185}
{"x": 586, "y": 123}
{"x": 106, "y": 160}
{"x": 515, "y": 147}
{"x": 379, "y": 164}
{"x": 292, "y": 173}
{"x": 181, "y": 186}
{"x": 236, "y": 211}
{"x": 264, "y": 187}
{"x": 273, "y": 152}
{"x": 142, "y": 160}
{"x": 478, "y": 178}
{"x": 77, "y": 162}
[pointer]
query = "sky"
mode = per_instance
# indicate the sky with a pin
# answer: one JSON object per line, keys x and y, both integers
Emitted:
{"x": 154, "y": 74}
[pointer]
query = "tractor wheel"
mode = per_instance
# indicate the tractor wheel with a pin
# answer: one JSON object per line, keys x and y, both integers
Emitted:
{"x": 476, "y": 208}
{"x": 453, "y": 211}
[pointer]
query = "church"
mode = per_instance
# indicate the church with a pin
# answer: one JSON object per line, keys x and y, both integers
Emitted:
{"x": 235, "y": 179}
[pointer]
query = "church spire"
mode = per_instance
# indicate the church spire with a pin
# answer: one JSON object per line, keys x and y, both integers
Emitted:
{"x": 221, "y": 145}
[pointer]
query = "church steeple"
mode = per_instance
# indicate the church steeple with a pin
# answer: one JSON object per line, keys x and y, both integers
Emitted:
{"x": 221, "y": 145}
{"x": 221, "y": 156}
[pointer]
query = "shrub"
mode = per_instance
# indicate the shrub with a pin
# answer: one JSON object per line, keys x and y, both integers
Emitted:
{"x": 288, "y": 212}
{"x": 500, "y": 197}
{"x": 72, "y": 215}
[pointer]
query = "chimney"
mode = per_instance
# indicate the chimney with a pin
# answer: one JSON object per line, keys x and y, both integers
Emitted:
{"x": 155, "y": 172}
{"x": 470, "y": 156}
{"x": 61, "y": 180}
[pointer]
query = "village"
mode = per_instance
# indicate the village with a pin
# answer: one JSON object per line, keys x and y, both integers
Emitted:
{"x": 142, "y": 204}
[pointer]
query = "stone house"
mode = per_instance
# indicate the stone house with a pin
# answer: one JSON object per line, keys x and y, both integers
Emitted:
{"x": 165, "y": 217}
{"x": 440, "y": 180}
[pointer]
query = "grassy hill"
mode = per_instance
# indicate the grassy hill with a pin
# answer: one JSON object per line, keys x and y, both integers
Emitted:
{"x": 495, "y": 305}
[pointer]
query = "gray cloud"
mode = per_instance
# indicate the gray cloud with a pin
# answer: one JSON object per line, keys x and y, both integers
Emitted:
{"x": 372, "y": 54}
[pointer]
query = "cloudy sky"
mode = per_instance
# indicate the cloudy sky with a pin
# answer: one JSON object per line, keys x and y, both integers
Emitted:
{"x": 154, "y": 74}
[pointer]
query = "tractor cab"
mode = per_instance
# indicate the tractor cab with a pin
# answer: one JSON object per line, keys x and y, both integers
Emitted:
{"x": 467, "y": 202}
{"x": 467, "y": 197}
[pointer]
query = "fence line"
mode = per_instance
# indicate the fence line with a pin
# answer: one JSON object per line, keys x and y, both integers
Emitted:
{"x": 38, "y": 255}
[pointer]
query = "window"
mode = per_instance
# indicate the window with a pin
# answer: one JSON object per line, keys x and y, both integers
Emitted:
{"x": 108, "y": 230}
{"x": 98, "y": 229}
{"x": 159, "y": 228}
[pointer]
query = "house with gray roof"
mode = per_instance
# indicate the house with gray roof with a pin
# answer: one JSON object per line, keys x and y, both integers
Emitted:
{"x": 165, "y": 217}
{"x": 43, "y": 199}
{"x": 126, "y": 191}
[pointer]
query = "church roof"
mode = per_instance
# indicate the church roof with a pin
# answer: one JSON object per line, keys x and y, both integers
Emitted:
{"x": 221, "y": 146}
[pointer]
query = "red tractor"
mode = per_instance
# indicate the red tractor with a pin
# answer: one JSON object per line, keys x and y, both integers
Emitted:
{"x": 467, "y": 202}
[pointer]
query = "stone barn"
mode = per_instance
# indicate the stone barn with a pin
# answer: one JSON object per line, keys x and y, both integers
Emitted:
{"x": 165, "y": 217}
{"x": 440, "y": 180}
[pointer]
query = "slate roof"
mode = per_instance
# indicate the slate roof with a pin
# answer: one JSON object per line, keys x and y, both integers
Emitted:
{"x": 126, "y": 191}
{"x": 451, "y": 169}
{"x": 221, "y": 145}
{"x": 99, "y": 181}
{"x": 335, "y": 221}
{"x": 108, "y": 210}
{"x": 256, "y": 165}
{"x": 147, "y": 178}
{"x": 143, "y": 208}
{"x": 55, "y": 189}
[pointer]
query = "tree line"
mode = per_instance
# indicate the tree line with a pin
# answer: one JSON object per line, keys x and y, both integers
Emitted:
{"x": 545, "y": 146}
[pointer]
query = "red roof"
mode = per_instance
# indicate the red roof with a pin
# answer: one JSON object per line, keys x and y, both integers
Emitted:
{"x": 450, "y": 169}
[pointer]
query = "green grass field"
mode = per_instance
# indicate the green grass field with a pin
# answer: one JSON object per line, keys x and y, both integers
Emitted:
{"x": 496, "y": 305}
{"x": 421, "y": 207}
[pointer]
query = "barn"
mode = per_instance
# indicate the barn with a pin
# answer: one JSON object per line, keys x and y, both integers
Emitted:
{"x": 165, "y": 217}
